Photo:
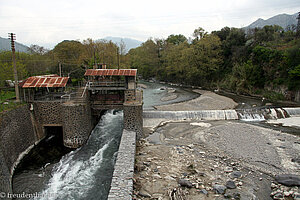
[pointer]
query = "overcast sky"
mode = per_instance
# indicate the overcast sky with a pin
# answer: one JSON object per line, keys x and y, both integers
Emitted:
{"x": 48, "y": 22}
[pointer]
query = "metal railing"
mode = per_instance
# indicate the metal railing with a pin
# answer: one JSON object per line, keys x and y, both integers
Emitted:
{"x": 92, "y": 84}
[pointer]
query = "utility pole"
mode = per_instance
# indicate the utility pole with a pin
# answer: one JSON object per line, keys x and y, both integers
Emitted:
{"x": 12, "y": 38}
{"x": 118, "y": 57}
{"x": 59, "y": 66}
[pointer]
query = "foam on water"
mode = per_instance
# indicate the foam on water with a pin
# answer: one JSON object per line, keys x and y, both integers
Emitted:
{"x": 77, "y": 174}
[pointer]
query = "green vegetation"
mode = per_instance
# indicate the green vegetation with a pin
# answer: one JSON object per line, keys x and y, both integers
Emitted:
{"x": 261, "y": 60}
{"x": 229, "y": 58}
{"x": 73, "y": 56}
{"x": 6, "y": 100}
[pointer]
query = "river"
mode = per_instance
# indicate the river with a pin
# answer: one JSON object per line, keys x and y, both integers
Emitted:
{"x": 84, "y": 173}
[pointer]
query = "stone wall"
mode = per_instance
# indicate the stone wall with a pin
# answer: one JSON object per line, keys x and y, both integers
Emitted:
{"x": 75, "y": 118}
{"x": 122, "y": 180}
{"x": 48, "y": 112}
{"x": 17, "y": 136}
{"x": 77, "y": 124}
{"x": 133, "y": 119}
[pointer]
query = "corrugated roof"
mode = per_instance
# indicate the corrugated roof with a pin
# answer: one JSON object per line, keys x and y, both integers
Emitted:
{"x": 45, "y": 81}
{"x": 110, "y": 72}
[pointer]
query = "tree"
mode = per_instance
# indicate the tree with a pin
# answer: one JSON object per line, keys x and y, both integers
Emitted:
{"x": 68, "y": 54}
{"x": 36, "y": 49}
{"x": 207, "y": 58}
{"x": 145, "y": 58}
{"x": 199, "y": 33}
{"x": 176, "y": 39}
{"x": 7, "y": 72}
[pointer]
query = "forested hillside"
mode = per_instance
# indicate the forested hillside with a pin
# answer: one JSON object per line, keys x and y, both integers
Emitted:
{"x": 263, "y": 61}
{"x": 266, "y": 61}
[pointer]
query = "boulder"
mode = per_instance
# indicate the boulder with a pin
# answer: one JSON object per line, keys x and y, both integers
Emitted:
{"x": 236, "y": 174}
{"x": 185, "y": 183}
{"x": 288, "y": 179}
{"x": 230, "y": 184}
{"x": 219, "y": 189}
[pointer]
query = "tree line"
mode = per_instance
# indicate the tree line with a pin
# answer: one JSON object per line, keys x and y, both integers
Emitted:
{"x": 244, "y": 62}
{"x": 253, "y": 62}
{"x": 74, "y": 57}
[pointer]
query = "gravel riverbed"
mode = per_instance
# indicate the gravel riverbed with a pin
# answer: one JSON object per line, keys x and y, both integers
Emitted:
{"x": 215, "y": 159}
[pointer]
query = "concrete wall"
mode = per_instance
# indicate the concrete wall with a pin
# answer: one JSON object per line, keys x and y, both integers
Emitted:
{"x": 122, "y": 180}
{"x": 17, "y": 136}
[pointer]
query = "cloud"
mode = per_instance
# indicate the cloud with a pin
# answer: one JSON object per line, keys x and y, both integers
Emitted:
{"x": 44, "y": 22}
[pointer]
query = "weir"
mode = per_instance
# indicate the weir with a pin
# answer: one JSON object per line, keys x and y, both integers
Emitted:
{"x": 244, "y": 114}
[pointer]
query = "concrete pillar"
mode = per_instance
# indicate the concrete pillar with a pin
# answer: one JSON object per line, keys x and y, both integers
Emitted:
{"x": 77, "y": 124}
{"x": 133, "y": 119}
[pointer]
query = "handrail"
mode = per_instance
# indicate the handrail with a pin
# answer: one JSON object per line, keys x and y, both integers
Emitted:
{"x": 105, "y": 84}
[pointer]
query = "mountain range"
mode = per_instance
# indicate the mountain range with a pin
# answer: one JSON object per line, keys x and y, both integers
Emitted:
{"x": 283, "y": 20}
{"x": 6, "y": 46}
{"x": 129, "y": 43}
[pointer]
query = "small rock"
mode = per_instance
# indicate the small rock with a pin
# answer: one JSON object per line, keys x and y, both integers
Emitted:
{"x": 185, "y": 183}
{"x": 286, "y": 193}
{"x": 236, "y": 196}
{"x": 201, "y": 174}
{"x": 273, "y": 186}
{"x": 230, "y": 184}
{"x": 288, "y": 179}
{"x": 236, "y": 174}
{"x": 228, "y": 169}
{"x": 278, "y": 196}
{"x": 203, "y": 191}
{"x": 275, "y": 192}
{"x": 297, "y": 160}
{"x": 260, "y": 179}
{"x": 143, "y": 193}
{"x": 219, "y": 189}
{"x": 240, "y": 183}
{"x": 170, "y": 178}
{"x": 156, "y": 176}
{"x": 296, "y": 196}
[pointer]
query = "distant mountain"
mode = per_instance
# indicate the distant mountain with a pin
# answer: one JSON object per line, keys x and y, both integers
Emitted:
{"x": 6, "y": 46}
{"x": 130, "y": 43}
{"x": 283, "y": 20}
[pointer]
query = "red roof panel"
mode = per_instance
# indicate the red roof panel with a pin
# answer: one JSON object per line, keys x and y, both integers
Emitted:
{"x": 45, "y": 81}
{"x": 111, "y": 72}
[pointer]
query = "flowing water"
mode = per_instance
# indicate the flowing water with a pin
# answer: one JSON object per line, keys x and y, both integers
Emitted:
{"x": 155, "y": 92}
{"x": 86, "y": 172}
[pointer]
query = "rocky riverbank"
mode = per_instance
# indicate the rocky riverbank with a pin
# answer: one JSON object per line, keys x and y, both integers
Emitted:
{"x": 216, "y": 160}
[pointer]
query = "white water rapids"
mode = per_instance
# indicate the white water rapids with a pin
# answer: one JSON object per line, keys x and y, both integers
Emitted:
{"x": 86, "y": 172}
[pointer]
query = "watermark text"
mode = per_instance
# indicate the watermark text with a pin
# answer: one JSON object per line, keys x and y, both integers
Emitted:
{"x": 26, "y": 195}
